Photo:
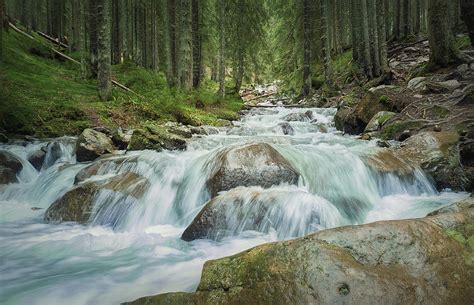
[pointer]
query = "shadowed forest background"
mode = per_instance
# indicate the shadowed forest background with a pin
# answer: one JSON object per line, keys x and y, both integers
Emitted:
{"x": 187, "y": 60}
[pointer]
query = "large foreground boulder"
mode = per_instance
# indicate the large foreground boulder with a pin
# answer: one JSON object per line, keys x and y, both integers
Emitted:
{"x": 416, "y": 261}
{"x": 10, "y": 167}
{"x": 251, "y": 165}
{"x": 92, "y": 144}
{"x": 77, "y": 204}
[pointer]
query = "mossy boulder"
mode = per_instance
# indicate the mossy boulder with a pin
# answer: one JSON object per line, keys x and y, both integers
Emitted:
{"x": 416, "y": 261}
{"x": 77, "y": 204}
{"x": 37, "y": 157}
{"x": 354, "y": 120}
{"x": 92, "y": 144}
{"x": 250, "y": 165}
{"x": 10, "y": 167}
{"x": 157, "y": 138}
{"x": 379, "y": 120}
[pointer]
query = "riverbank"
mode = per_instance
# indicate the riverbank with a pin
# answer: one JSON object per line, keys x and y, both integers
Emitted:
{"x": 45, "y": 97}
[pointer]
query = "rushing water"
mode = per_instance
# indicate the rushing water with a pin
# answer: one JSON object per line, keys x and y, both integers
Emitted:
{"x": 134, "y": 249}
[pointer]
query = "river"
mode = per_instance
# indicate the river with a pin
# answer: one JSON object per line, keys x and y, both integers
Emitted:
{"x": 130, "y": 250}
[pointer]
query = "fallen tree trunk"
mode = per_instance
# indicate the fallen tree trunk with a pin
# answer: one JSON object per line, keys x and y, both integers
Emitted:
{"x": 53, "y": 40}
{"x": 116, "y": 83}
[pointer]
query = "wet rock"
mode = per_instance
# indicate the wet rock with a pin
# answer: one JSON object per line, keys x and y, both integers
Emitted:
{"x": 92, "y": 144}
{"x": 53, "y": 154}
{"x": 347, "y": 122}
{"x": 37, "y": 158}
{"x": 205, "y": 130}
{"x": 436, "y": 153}
{"x": 415, "y": 261}
{"x": 179, "y": 129}
{"x": 354, "y": 120}
{"x": 77, "y": 204}
{"x": 301, "y": 117}
{"x": 378, "y": 120}
{"x": 3, "y": 138}
{"x": 10, "y": 167}
{"x": 121, "y": 138}
{"x": 404, "y": 135}
{"x": 104, "y": 165}
{"x": 286, "y": 128}
{"x": 251, "y": 165}
{"x": 437, "y": 128}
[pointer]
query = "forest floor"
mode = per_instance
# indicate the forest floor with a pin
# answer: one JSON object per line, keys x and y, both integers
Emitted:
{"x": 42, "y": 96}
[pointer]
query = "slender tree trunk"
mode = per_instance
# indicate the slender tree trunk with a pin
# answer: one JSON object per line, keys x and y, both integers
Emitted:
{"x": 325, "y": 50}
{"x": 367, "y": 58}
{"x": 76, "y": 16}
{"x": 373, "y": 11}
{"x": 467, "y": 15}
{"x": 197, "y": 56}
{"x": 442, "y": 50}
{"x": 173, "y": 41}
{"x": 103, "y": 47}
{"x": 93, "y": 48}
{"x": 306, "y": 48}
{"x": 221, "y": 49}
{"x": 381, "y": 17}
{"x": 2, "y": 26}
{"x": 116, "y": 32}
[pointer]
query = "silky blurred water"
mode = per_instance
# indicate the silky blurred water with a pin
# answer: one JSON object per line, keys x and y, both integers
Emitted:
{"x": 131, "y": 249}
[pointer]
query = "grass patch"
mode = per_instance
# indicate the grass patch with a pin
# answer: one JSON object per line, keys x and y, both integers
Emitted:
{"x": 44, "y": 97}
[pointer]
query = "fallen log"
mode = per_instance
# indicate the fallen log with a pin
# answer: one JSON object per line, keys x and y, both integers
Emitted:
{"x": 53, "y": 40}
{"x": 116, "y": 83}
{"x": 261, "y": 96}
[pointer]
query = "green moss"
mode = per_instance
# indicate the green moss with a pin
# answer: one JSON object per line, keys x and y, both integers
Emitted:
{"x": 44, "y": 97}
{"x": 389, "y": 131}
{"x": 456, "y": 235}
{"x": 462, "y": 42}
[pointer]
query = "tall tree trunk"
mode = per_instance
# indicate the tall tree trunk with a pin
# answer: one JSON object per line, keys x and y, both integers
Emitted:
{"x": 325, "y": 50}
{"x": 373, "y": 11}
{"x": 103, "y": 47}
{"x": 76, "y": 16}
{"x": 306, "y": 48}
{"x": 197, "y": 42}
{"x": 381, "y": 17}
{"x": 221, "y": 49}
{"x": 467, "y": 15}
{"x": 173, "y": 41}
{"x": 2, "y": 25}
{"x": 93, "y": 48}
{"x": 367, "y": 58}
{"x": 116, "y": 32}
{"x": 442, "y": 49}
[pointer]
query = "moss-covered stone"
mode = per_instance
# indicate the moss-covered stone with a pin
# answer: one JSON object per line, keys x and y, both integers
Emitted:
{"x": 77, "y": 204}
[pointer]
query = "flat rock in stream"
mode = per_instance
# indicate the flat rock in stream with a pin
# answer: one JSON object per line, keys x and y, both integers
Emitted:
{"x": 415, "y": 261}
{"x": 251, "y": 165}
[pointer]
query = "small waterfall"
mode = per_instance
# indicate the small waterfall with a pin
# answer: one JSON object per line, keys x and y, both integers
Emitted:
{"x": 139, "y": 234}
